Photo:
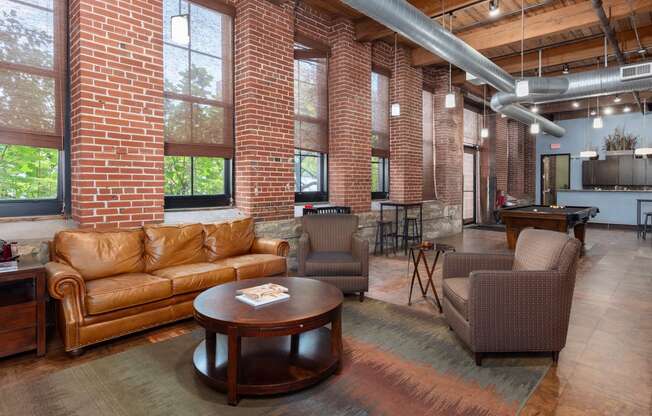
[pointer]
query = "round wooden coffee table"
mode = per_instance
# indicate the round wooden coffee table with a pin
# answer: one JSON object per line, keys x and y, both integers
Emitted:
{"x": 272, "y": 349}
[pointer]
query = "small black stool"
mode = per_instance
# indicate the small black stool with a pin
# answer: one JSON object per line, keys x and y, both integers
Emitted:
{"x": 648, "y": 216}
{"x": 411, "y": 232}
{"x": 384, "y": 235}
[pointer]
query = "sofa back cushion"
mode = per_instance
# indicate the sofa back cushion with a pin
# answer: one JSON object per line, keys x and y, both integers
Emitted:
{"x": 228, "y": 239}
{"x": 330, "y": 232}
{"x": 173, "y": 245}
{"x": 98, "y": 254}
{"x": 539, "y": 249}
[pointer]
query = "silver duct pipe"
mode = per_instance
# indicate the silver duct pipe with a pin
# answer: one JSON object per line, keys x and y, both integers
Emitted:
{"x": 410, "y": 22}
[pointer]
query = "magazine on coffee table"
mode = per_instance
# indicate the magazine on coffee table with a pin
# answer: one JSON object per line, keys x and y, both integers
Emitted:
{"x": 263, "y": 295}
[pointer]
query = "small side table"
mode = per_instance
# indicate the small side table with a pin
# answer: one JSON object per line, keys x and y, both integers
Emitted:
{"x": 421, "y": 249}
{"x": 22, "y": 308}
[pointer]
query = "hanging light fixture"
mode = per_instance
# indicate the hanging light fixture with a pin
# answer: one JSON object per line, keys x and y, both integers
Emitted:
{"x": 588, "y": 153}
{"x": 617, "y": 99}
{"x": 627, "y": 109}
{"x": 644, "y": 152}
{"x": 494, "y": 8}
{"x": 395, "y": 108}
{"x": 597, "y": 121}
{"x": 576, "y": 104}
{"x": 449, "y": 101}
{"x": 180, "y": 27}
{"x": 565, "y": 69}
{"x": 484, "y": 131}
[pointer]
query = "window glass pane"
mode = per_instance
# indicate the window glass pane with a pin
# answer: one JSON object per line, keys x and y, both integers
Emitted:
{"x": 375, "y": 177}
{"x": 28, "y": 172}
{"x": 175, "y": 69}
{"x": 172, "y": 8}
{"x": 177, "y": 175}
{"x": 27, "y": 33}
{"x": 380, "y": 108}
{"x": 206, "y": 81}
{"x": 205, "y": 30}
{"x": 209, "y": 176}
{"x": 26, "y": 101}
{"x": 177, "y": 121}
{"x": 208, "y": 124}
{"x": 307, "y": 171}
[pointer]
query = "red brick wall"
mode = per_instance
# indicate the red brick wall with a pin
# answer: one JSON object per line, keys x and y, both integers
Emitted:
{"x": 406, "y": 165}
{"x": 116, "y": 61}
{"x": 349, "y": 94}
{"x": 501, "y": 153}
{"x": 529, "y": 163}
{"x": 264, "y": 109}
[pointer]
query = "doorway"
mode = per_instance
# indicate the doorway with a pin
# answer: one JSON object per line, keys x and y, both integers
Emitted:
{"x": 469, "y": 188}
{"x": 555, "y": 174}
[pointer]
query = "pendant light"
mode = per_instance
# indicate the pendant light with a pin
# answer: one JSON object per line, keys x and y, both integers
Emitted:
{"x": 449, "y": 101}
{"x": 588, "y": 153}
{"x": 180, "y": 27}
{"x": 644, "y": 152}
{"x": 535, "y": 128}
{"x": 597, "y": 121}
{"x": 395, "y": 109}
{"x": 484, "y": 131}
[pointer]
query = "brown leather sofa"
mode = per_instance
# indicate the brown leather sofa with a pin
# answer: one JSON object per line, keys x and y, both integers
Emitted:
{"x": 115, "y": 282}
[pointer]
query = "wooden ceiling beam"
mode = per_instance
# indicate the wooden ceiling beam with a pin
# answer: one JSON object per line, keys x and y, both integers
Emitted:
{"x": 554, "y": 21}
{"x": 368, "y": 30}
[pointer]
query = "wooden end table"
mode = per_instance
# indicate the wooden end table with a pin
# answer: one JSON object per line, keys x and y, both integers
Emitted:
{"x": 22, "y": 308}
{"x": 272, "y": 349}
{"x": 416, "y": 260}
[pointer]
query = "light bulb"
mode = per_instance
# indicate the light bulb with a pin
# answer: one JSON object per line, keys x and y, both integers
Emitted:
{"x": 608, "y": 111}
{"x": 484, "y": 132}
{"x": 535, "y": 128}
{"x": 593, "y": 112}
{"x": 617, "y": 99}
{"x": 597, "y": 122}
{"x": 576, "y": 104}
{"x": 535, "y": 109}
{"x": 494, "y": 8}
{"x": 179, "y": 29}
{"x": 450, "y": 100}
{"x": 627, "y": 109}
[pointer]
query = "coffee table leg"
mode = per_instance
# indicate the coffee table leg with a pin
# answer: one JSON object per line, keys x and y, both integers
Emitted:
{"x": 232, "y": 367}
{"x": 336, "y": 338}
{"x": 294, "y": 344}
{"x": 211, "y": 349}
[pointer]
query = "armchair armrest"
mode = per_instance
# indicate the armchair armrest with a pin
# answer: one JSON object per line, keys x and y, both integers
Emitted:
{"x": 275, "y": 246}
{"x": 360, "y": 247}
{"x": 462, "y": 264}
{"x": 519, "y": 310}
{"x": 63, "y": 281}
{"x": 302, "y": 253}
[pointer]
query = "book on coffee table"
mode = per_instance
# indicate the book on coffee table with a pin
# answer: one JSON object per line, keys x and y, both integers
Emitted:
{"x": 263, "y": 295}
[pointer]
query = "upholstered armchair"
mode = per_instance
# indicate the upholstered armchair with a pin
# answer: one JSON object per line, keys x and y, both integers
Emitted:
{"x": 331, "y": 251}
{"x": 513, "y": 303}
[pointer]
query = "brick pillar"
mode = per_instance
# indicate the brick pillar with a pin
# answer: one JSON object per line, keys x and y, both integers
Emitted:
{"x": 530, "y": 163}
{"x": 116, "y": 78}
{"x": 406, "y": 164}
{"x": 449, "y": 142}
{"x": 502, "y": 134}
{"x": 349, "y": 93}
{"x": 264, "y": 109}
{"x": 516, "y": 165}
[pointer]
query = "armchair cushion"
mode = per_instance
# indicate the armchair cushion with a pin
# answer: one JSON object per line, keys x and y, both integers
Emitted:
{"x": 331, "y": 232}
{"x": 173, "y": 245}
{"x": 456, "y": 290}
{"x": 228, "y": 239}
{"x": 462, "y": 264}
{"x": 189, "y": 278}
{"x": 332, "y": 263}
{"x": 250, "y": 266}
{"x": 539, "y": 249}
{"x": 125, "y": 290}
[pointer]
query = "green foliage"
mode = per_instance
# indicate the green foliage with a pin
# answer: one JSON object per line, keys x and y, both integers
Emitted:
{"x": 375, "y": 177}
{"x": 28, "y": 172}
{"x": 208, "y": 175}
{"x": 619, "y": 140}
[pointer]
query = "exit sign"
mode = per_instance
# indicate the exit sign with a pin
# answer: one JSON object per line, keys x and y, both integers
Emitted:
{"x": 555, "y": 146}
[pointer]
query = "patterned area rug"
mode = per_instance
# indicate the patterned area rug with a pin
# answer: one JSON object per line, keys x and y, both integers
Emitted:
{"x": 397, "y": 362}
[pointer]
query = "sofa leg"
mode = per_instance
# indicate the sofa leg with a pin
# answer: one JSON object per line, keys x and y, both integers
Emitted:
{"x": 361, "y": 296}
{"x": 555, "y": 356}
{"x": 76, "y": 352}
{"x": 478, "y": 359}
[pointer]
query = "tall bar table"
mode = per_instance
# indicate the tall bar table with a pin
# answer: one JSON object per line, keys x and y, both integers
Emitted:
{"x": 405, "y": 207}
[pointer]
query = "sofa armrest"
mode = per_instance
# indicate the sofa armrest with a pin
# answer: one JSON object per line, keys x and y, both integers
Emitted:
{"x": 303, "y": 249}
{"x": 360, "y": 248}
{"x": 462, "y": 264}
{"x": 64, "y": 281}
{"x": 274, "y": 246}
{"x": 519, "y": 310}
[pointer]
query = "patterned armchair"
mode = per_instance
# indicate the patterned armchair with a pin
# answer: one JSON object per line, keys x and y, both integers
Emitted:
{"x": 513, "y": 303}
{"x": 331, "y": 251}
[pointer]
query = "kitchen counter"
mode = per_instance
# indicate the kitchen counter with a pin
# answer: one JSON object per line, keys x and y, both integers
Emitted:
{"x": 616, "y": 206}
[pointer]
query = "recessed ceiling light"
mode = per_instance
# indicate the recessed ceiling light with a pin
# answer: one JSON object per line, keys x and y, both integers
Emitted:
{"x": 617, "y": 99}
{"x": 565, "y": 69}
{"x": 494, "y": 8}
{"x": 576, "y": 104}
{"x": 608, "y": 111}
{"x": 627, "y": 109}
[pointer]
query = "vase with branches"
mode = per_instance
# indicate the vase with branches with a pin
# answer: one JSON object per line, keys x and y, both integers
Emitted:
{"x": 620, "y": 140}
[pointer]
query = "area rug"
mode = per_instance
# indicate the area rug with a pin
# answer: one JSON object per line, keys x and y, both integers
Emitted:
{"x": 398, "y": 361}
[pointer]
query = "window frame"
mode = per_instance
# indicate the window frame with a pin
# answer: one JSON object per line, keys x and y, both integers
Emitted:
{"x": 59, "y": 139}
{"x": 312, "y": 196}
{"x": 384, "y": 161}
{"x": 172, "y": 202}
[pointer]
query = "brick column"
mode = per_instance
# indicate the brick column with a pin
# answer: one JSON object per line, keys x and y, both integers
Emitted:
{"x": 530, "y": 163}
{"x": 264, "y": 109}
{"x": 502, "y": 163}
{"x": 449, "y": 142}
{"x": 116, "y": 78}
{"x": 349, "y": 93}
{"x": 406, "y": 164}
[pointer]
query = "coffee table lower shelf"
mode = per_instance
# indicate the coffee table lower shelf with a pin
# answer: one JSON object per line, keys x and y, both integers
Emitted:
{"x": 268, "y": 365}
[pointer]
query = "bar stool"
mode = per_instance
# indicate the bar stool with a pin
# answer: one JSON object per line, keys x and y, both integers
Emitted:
{"x": 648, "y": 216}
{"x": 410, "y": 224}
{"x": 384, "y": 235}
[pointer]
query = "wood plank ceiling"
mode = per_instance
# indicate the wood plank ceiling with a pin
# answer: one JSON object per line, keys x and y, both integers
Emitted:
{"x": 566, "y": 31}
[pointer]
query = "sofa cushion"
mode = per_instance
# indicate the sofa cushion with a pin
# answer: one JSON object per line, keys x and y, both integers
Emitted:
{"x": 332, "y": 263}
{"x": 125, "y": 290}
{"x": 539, "y": 249}
{"x": 456, "y": 290}
{"x": 173, "y": 245}
{"x": 250, "y": 266}
{"x": 98, "y": 254}
{"x": 228, "y": 239}
{"x": 198, "y": 276}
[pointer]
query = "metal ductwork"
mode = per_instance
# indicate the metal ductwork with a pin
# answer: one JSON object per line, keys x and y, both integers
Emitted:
{"x": 410, "y": 22}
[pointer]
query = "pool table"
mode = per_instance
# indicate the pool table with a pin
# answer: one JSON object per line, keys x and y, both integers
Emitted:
{"x": 547, "y": 218}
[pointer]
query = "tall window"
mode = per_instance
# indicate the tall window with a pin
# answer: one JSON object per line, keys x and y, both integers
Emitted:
{"x": 198, "y": 93}
{"x": 380, "y": 133}
{"x": 310, "y": 121}
{"x": 429, "y": 191}
{"x": 32, "y": 71}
